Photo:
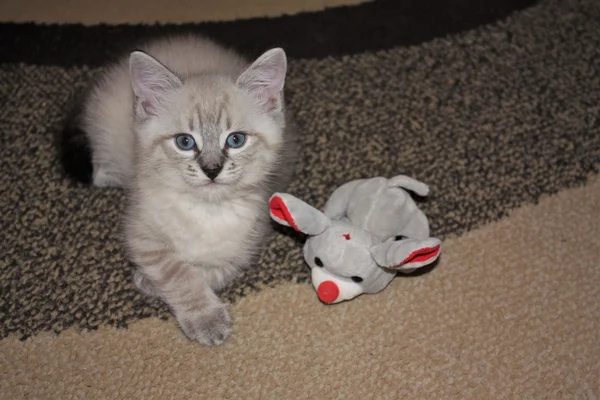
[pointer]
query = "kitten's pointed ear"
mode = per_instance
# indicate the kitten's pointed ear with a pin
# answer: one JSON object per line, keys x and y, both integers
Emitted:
{"x": 265, "y": 78}
{"x": 151, "y": 81}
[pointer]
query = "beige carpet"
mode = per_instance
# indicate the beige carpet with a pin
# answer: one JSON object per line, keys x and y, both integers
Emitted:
{"x": 511, "y": 312}
{"x": 143, "y": 11}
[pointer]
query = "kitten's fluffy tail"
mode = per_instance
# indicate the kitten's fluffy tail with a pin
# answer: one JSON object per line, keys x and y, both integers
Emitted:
{"x": 75, "y": 151}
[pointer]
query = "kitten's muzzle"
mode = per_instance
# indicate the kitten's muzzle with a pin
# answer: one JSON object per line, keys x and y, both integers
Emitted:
{"x": 212, "y": 171}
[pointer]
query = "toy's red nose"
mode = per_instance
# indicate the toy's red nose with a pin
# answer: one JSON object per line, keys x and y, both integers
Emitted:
{"x": 328, "y": 292}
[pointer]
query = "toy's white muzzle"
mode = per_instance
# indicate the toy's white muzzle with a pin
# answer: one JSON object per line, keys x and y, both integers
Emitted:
{"x": 333, "y": 289}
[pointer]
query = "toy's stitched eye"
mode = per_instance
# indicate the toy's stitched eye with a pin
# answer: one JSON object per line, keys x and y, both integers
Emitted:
{"x": 235, "y": 140}
{"x": 400, "y": 237}
{"x": 357, "y": 279}
{"x": 185, "y": 142}
{"x": 318, "y": 262}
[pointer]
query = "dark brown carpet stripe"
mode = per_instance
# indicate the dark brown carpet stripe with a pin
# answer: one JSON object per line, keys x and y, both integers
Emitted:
{"x": 491, "y": 119}
{"x": 380, "y": 24}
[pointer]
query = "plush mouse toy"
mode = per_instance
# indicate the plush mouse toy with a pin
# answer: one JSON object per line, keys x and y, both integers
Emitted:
{"x": 370, "y": 229}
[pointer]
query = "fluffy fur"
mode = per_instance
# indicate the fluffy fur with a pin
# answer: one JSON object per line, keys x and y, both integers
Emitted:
{"x": 195, "y": 217}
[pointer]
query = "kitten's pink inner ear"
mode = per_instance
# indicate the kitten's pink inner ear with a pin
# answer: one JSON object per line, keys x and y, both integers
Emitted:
{"x": 151, "y": 80}
{"x": 280, "y": 211}
{"x": 265, "y": 79}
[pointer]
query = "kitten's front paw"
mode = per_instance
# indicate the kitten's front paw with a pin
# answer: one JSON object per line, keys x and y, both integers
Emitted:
{"x": 144, "y": 285}
{"x": 209, "y": 327}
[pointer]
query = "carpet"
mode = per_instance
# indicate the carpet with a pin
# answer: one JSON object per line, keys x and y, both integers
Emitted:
{"x": 494, "y": 104}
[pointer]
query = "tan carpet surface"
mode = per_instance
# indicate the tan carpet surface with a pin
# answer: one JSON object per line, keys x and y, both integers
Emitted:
{"x": 510, "y": 312}
{"x": 143, "y": 11}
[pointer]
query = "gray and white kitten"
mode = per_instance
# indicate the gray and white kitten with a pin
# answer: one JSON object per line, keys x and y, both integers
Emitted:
{"x": 199, "y": 138}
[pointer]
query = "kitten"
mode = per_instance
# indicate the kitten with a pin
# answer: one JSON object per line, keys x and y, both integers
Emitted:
{"x": 200, "y": 139}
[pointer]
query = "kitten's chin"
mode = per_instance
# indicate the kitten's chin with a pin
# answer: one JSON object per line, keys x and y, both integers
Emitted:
{"x": 214, "y": 192}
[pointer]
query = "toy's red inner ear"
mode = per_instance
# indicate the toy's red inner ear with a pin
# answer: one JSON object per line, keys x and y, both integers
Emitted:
{"x": 422, "y": 255}
{"x": 280, "y": 211}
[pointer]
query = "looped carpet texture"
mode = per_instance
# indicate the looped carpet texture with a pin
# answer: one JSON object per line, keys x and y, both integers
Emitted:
{"x": 495, "y": 106}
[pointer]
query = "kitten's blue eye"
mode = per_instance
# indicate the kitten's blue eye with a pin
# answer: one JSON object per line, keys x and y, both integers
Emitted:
{"x": 235, "y": 140}
{"x": 185, "y": 142}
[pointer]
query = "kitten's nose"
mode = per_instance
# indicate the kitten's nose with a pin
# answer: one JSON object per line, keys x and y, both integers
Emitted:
{"x": 212, "y": 171}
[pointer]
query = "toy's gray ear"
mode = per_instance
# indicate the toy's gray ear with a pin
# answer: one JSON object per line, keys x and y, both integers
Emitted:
{"x": 406, "y": 254}
{"x": 288, "y": 210}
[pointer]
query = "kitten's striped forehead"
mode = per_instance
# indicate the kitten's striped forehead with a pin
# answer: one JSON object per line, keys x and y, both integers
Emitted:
{"x": 206, "y": 115}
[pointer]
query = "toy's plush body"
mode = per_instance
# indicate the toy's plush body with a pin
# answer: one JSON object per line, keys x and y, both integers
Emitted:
{"x": 369, "y": 230}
